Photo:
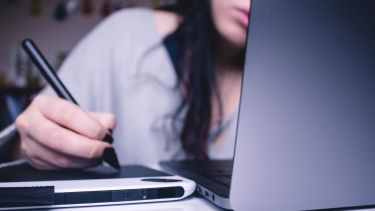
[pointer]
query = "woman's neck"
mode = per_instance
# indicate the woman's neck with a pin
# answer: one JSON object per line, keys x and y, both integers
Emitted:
{"x": 229, "y": 69}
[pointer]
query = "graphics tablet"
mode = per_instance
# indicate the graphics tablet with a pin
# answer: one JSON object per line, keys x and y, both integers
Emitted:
{"x": 25, "y": 187}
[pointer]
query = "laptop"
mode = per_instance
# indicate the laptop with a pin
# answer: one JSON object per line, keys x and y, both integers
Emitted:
{"x": 306, "y": 128}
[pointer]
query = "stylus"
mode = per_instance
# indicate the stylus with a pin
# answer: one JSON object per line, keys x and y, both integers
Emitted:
{"x": 51, "y": 77}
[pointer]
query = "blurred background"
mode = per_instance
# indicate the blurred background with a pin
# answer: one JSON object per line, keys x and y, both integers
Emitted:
{"x": 56, "y": 26}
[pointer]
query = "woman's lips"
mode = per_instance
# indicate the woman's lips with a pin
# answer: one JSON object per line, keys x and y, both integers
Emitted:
{"x": 242, "y": 16}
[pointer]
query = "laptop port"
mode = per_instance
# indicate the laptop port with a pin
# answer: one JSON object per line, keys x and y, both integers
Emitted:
{"x": 213, "y": 197}
{"x": 199, "y": 189}
{"x": 206, "y": 194}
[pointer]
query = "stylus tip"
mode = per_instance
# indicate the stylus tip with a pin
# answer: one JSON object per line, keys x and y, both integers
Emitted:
{"x": 110, "y": 157}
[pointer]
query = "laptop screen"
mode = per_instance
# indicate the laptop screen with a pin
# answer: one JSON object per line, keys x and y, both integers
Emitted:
{"x": 307, "y": 115}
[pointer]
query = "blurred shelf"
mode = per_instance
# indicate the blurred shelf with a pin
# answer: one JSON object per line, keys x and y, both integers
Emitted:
{"x": 18, "y": 90}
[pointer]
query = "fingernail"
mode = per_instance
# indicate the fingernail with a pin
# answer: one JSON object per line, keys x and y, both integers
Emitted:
{"x": 108, "y": 138}
{"x": 109, "y": 156}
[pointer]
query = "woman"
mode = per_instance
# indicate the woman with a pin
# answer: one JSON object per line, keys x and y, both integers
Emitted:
{"x": 172, "y": 80}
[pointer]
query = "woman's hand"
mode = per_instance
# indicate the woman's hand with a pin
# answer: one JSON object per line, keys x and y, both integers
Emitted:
{"x": 55, "y": 133}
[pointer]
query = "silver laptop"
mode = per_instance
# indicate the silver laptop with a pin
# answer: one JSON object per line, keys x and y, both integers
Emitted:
{"x": 306, "y": 130}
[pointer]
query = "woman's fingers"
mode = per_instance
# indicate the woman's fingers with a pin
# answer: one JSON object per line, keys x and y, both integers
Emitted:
{"x": 40, "y": 164}
{"x": 47, "y": 158}
{"x": 53, "y": 136}
{"x": 106, "y": 119}
{"x": 70, "y": 116}
{"x": 57, "y": 134}
{"x": 66, "y": 141}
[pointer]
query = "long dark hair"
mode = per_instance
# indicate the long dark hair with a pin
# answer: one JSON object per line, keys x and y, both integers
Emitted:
{"x": 194, "y": 65}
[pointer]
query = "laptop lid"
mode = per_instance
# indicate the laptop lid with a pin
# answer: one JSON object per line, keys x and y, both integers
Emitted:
{"x": 306, "y": 134}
